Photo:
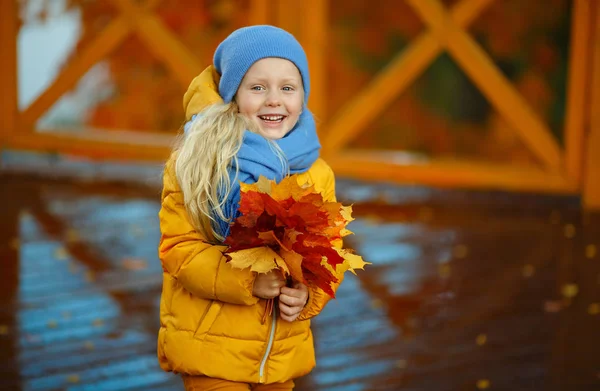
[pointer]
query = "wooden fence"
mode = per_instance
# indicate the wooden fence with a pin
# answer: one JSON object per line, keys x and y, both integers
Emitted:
{"x": 574, "y": 168}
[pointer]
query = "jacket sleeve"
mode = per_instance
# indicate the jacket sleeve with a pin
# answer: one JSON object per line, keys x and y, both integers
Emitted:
{"x": 198, "y": 266}
{"x": 317, "y": 298}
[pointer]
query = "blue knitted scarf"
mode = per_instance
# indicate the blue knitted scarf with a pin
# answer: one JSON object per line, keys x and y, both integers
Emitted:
{"x": 256, "y": 157}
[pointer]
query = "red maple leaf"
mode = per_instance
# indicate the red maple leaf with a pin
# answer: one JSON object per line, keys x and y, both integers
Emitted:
{"x": 298, "y": 225}
{"x": 318, "y": 275}
{"x": 251, "y": 204}
{"x": 332, "y": 256}
{"x": 245, "y": 237}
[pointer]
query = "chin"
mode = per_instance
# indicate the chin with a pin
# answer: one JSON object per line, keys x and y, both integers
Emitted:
{"x": 274, "y": 134}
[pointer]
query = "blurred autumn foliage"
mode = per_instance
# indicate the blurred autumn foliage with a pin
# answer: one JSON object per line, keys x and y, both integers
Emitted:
{"x": 144, "y": 95}
{"x": 441, "y": 114}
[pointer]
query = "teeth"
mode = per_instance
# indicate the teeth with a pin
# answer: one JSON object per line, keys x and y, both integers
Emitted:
{"x": 271, "y": 117}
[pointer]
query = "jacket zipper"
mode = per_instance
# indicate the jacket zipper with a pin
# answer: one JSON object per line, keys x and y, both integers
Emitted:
{"x": 261, "y": 374}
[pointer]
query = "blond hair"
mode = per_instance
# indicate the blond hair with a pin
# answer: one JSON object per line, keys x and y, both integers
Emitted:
{"x": 204, "y": 156}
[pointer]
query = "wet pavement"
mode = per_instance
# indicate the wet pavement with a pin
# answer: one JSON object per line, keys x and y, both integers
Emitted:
{"x": 467, "y": 291}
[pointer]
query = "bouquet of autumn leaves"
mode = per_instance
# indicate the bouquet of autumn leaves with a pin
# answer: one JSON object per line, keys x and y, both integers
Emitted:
{"x": 291, "y": 228}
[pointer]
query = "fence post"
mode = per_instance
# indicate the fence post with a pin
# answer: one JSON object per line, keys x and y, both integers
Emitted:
{"x": 8, "y": 69}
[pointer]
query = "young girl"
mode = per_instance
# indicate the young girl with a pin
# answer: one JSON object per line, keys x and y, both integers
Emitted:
{"x": 247, "y": 117}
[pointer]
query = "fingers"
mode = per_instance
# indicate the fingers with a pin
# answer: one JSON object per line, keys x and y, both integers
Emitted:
{"x": 299, "y": 290}
{"x": 288, "y": 313}
{"x": 289, "y": 319}
{"x": 270, "y": 293}
{"x": 301, "y": 286}
{"x": 292, "y": 301}
{"x": 273, "y": 288}
{"x": 268, "y": 286}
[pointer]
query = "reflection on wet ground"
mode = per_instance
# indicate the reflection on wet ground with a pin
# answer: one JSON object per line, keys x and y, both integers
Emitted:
{"x": 467, "y": 291}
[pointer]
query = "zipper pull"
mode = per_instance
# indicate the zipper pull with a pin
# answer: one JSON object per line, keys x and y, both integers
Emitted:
{"x": 268, "y": 310}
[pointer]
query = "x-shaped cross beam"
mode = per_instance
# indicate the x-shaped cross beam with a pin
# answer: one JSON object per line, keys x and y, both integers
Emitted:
{"x": 446, "y": 31}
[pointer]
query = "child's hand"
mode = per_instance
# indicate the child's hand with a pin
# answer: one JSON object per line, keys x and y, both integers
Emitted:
{"x": 292, "y": 301}
{"x": 268, "y": 285}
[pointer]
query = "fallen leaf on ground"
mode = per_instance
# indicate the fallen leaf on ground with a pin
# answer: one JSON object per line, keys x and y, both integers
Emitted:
{"x": 481, "y": 339}
{"x": 590, "y": 251}
{"x": 570, "y": 290}
{"x": 553, "y": 306}
{"x": 135, "y": 264}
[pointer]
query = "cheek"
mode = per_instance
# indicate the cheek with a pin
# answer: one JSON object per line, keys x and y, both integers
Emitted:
{"x": 295, "y": 107}
{"x": 246, "y": 104}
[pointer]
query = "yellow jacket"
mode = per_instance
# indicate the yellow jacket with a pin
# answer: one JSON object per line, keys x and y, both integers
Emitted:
{"x": 211, "y": 324}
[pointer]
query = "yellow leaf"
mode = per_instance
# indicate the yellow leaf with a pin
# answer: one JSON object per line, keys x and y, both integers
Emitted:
{"x": 569, "y": 231}
{"x": 345, "y": 232}
{"x": 481, "y": 339}
{"x": 354, "y": 261}
{"x": 262, "y": 186}
{"x": 289, "y": 187}
{"x": 334, "y": 212}
{"x": 351, "y": 262}
{"x": 73, "y": 378}
{"x": 483, "y": 384}
{"x": 590, "y": 251}
{"x": 346, "y": 212}
{"x": 594, "y": 309}
{"x": 570, "y": 290}
{"x": 258, "y": 259}
{"x": 3, "y": 329}
{"x": 61, "y": 254}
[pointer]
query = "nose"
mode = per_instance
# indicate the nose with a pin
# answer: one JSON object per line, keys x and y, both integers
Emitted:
{"x": 273, "y": 98}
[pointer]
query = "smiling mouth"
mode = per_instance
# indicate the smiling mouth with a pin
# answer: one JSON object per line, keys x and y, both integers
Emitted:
{"x": 273, "y": 119}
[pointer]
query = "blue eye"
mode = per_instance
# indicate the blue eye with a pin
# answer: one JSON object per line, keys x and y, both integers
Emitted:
{"x": 288, "y": 88}
{"x": 257, "y": 88}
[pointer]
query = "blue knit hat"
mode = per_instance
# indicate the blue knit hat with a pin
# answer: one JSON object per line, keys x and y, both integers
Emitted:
{"x": 245, "y": 46}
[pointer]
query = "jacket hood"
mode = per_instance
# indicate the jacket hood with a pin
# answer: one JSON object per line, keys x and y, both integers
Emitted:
{"x": 203, "y": 91}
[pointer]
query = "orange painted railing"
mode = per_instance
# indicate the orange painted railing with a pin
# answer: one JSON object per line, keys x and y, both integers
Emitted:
{"x": 573, "y": 169}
